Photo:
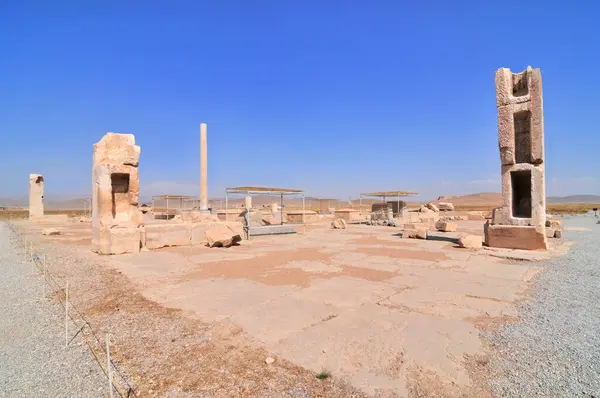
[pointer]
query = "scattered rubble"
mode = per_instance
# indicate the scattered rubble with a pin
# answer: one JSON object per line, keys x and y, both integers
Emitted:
{"x": 50, "y": 231}
{"x": 444, "y": 226}
{"x": 445, "y": 206}
{"x": 222, "y": 236}
{"x": 338, "y": 223}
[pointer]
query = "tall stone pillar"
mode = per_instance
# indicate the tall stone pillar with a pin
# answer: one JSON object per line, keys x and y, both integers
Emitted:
{"x": 520, "y": 222}
{"x": 36, "y": 195}
{"x": 116, "y": 218}
{"x": 203, "y": 170}
{"x": 248, "y": 202}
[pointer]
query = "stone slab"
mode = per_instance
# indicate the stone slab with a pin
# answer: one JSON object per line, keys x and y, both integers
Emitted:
{"x": 515, "y": 237}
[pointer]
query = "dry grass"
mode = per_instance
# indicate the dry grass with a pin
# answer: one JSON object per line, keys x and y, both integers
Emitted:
{"x": 165, "y": 352}
{"x": 6, "y": 214}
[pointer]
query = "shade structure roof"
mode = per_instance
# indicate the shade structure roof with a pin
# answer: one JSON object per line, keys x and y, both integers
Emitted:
{"x": 171, "y": 197}
{"x": 257, "y": 189}
{"x": 389, "y": 193}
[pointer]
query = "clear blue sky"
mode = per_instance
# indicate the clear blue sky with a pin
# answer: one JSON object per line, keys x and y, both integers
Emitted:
{"x": 336, "y": 97}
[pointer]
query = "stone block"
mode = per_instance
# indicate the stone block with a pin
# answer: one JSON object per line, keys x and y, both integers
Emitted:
{"x": 470, "y": 241}
{"x": 429, "y": 218}
{"x": 118, "y": 240}
{"x": 338, "y": 223}
{"x": 418, "y": 233}
{"x": 550, "y": 232}
{"x": 50, "y": 231}
{"x": 164, "y": 235}
{"x": 433, "y": 207}
{"x": 222, "y": 235}
{"x": 445, "y": 226}
{"x": 413, "y": 226}
{"x": 516, "y": 237}
{"x": 445, "y": 206}
{"x": 558, "y": 233}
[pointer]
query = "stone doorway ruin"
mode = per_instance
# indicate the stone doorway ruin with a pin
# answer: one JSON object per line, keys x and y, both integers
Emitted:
{"x": 521, "y": 221}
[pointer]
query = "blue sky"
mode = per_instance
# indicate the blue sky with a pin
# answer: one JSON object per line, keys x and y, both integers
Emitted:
{"x": 335, "y": 97}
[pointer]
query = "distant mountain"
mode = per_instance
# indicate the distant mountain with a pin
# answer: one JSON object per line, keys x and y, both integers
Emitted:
{"x": 574, "y": 199}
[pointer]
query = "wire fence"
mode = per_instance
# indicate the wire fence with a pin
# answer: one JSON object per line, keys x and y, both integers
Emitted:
{"x": 75, "y": 322}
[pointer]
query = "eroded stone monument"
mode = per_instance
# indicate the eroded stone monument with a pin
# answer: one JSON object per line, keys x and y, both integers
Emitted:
{"x": 520, "y": 222}
{"x": 36, "y": 195}
{"x": 203, "y": 170}
{"x": 116, "y": 218}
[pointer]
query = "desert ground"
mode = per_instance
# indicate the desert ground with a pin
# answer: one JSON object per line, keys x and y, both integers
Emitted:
{"x": 350, "y": 312}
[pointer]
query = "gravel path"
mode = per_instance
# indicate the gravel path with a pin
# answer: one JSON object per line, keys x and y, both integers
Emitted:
{"x": 555, "y": 350}
{"x": 33, "y": 359}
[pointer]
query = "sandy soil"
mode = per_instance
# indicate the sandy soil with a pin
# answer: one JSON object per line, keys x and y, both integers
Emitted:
{"x": 385, "y": 316}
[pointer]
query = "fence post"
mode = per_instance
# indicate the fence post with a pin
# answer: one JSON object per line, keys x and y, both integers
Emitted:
{"x": 44, "y": 278}
{"x": 108, "y": 369}
{"x": 67, "y": 315}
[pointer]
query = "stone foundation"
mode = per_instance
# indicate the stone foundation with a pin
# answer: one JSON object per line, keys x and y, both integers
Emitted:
{"x": 515, "y": 237}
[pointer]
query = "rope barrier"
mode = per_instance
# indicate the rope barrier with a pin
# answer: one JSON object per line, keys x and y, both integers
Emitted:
{"x": 47, "y": 276}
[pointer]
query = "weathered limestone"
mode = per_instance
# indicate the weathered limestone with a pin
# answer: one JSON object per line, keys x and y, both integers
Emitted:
{"x": 444, "y": 226}
{"x": 248, "y": 202}
{"x": 338, "y": 223}
{"x": 520, "y": 222}
{"x": 116, "y": 218}
{"x": 168, "y": 234}
{"x": 416, "y": 233}
{"x": 203, "y": 170}
{"x": 299, "y": 216}
{"x": 433, "y": 207}
{"x": 222, "y": 235}
{"x": 50, "y": 231}
{"x": 470, "y": 242}
{"x": 348, "y": 215}
{"x": 36, "y": 195}
{"x": 445, "y": 206}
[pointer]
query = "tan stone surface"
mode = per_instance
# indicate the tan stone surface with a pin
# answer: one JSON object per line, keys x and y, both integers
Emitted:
{"x": 364, "y": 304}
{"x": 516, "y": 237}
{"x": 338, "y": 223}
{"x": 36, "y": 195}
{"x": 433, "y": 207}
{"x": 51, "y": 231}
{"x": 222, "y": 235}
{"x": 167, "y": 234}
{"x": 521, "y": 145}
{"x": 445, "y": 226}
{"x": 445, "y": 206}
{"x": 470, "y": 241}
{"x": 417, "y": 233}
{"x": 115, "y": 195}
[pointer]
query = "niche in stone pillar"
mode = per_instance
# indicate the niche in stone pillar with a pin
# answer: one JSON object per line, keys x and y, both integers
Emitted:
{"x": 120, "y": 193}
{"x": 522, "y": 122}
{"x": 520, "y": 86}
{"x": 521, "y": 193}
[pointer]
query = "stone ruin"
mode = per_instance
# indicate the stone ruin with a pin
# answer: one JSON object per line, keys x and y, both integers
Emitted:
{"x": 118, "y": 225}
{"x": 116, "y": 218}
{"x": 36, "y": 195}
{"x": 520, "y": 222}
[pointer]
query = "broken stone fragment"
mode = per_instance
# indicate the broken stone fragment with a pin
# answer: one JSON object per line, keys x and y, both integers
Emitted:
{"x": 445, "y": 206}
{"x": 470, "y": 242}
{"x": 444, "y": 226}
{"x": 50, "y": 231}
{"x": 417, "y": 233}
{"x": 222, "y": 236}
{"x": 433, "y": 207}
{"x": 338, "y": 223}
